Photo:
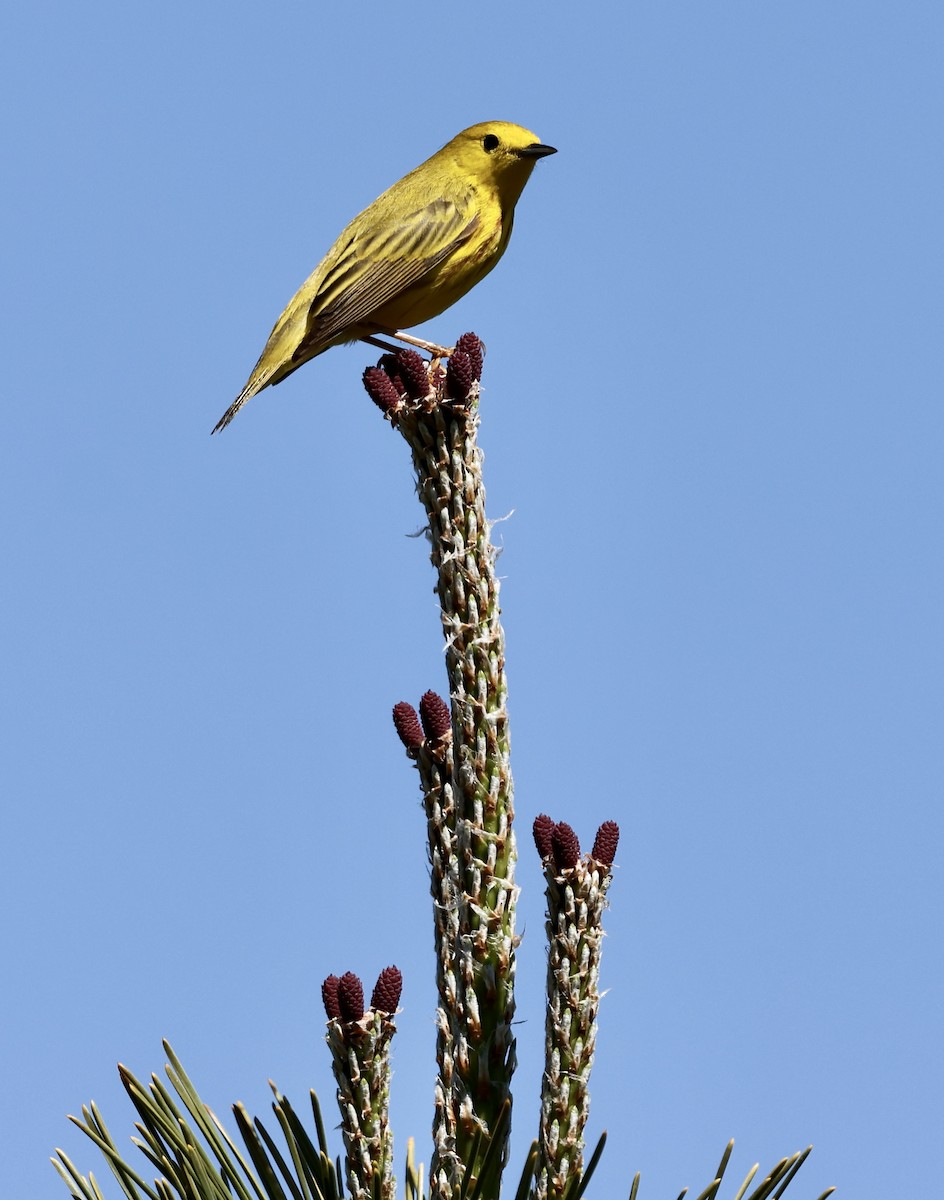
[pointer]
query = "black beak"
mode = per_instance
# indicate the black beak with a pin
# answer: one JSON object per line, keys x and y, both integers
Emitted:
{"x": 536, "y": 150}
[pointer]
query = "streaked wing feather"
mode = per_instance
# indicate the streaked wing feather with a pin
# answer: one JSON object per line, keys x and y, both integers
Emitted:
{"x": 396, "y": 259}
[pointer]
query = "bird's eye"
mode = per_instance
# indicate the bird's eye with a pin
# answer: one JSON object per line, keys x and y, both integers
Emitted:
{"x": 489, "y": 143}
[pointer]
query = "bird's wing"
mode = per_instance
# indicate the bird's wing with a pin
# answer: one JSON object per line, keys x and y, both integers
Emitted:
{"x": 374, "y": 267}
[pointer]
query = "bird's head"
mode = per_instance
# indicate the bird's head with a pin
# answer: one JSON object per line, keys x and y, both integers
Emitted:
{"x": 499, "y": 154}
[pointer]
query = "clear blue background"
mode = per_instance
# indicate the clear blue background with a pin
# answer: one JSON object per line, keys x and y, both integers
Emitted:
{"x": 713, "y": 401}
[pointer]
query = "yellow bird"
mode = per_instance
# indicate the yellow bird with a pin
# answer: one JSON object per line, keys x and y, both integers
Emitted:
{"x": 417, "y": 249}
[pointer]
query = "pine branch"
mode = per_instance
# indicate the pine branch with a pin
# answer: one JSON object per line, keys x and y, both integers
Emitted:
{"x": 461, "y": 750}
{"x": 472, "y": 837}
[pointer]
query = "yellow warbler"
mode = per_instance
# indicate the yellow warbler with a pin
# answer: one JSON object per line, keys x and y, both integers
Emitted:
{"x": 417, "y": 249}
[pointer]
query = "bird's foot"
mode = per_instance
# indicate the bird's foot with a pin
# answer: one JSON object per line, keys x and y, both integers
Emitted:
{"x": 435, "y": 352}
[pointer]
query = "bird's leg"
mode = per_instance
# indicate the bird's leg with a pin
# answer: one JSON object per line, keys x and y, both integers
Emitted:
{"x": 431, "y": 348}
{"x": 434, "y": 351}
{"x": 375, "y": 341}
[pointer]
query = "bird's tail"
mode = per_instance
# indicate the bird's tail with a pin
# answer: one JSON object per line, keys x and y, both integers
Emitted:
{"x": 247, "y": 393}
{"x": 285, "y": 351}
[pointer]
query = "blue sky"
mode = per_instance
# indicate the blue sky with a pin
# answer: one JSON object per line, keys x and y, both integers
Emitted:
{"x": 713, "y": 410}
